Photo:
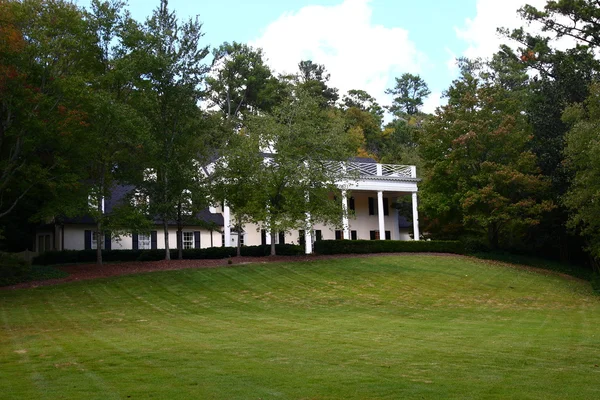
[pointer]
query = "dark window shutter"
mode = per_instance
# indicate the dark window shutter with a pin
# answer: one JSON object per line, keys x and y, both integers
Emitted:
{"x": 386, "y": 208}
{"x": 263, "y": 237}
{"x": 318, "y": 235}
{"x": 372, "y": 235}
{"x": 87, "y": 240}
{"x": 153, "y": 240}
{"x": 371, "y": 206}
{"x": 107, "y": 242}
{"x": 135, "y": 244}
{"x": 281, "y": 237}
{"x": 196, "y": 239}
{"x": 353, "y": 235}
{"x": 352, "y": 206}
{"x": 301, "y": 237}
{"x": 388, "y": 235}
{"x": 179, "y": 235}
{"x": 338, "y": 235}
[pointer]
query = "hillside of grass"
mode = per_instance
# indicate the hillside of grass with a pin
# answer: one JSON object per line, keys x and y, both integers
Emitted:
{"x": 393, "y": 327}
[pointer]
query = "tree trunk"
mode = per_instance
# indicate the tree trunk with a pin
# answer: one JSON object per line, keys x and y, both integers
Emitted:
{"x": 239, "y": 242}
{"x": 493, "y": 236}
{"x": 211, "y": 239}
{"x": 273, "y": 238}
{"x": 166, "y": 230}
{"x": 179, "y": 242}
{"x": 99, "y": 240}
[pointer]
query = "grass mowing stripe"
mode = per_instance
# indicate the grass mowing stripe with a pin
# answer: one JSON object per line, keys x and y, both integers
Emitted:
{"x": 388, "y": 327}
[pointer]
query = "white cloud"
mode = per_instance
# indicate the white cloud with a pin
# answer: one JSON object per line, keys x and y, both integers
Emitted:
{"x": 357, "y": 53}
{"x": 480, "y": 32}
{"x": 433, "y": 101}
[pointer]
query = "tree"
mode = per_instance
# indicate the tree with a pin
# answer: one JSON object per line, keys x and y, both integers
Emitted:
{"x": 313, "y": 79}
{"x": 241, "y": 82}
{"x": 169, "y": 60}
{"x": 297, "y": 177}
{"x": 581, "y": 150}
{"x": 409, "y": 92}
{"x": 479, "y": 171}
{"x": 46, "y": 53}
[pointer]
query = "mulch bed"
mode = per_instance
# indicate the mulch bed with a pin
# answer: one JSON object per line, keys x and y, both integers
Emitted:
{"x": 80, "y": 272}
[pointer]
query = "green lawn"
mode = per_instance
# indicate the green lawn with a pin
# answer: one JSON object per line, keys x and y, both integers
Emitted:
{"x": 421, "y": 327}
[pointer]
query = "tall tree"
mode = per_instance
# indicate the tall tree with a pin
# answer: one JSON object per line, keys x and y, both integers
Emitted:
{"x": 305, "y": 146}
{"x": 313, "y": 79}
{"x": 170, "y": 61}
{"x": 480, "y": 172}
{"x": 409, "y": 92}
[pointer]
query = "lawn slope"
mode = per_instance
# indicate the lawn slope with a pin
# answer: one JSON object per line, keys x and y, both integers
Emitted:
{"x": 365, "y": 328}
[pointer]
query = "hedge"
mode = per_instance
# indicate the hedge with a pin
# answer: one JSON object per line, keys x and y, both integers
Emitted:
{"x": 88, "y": 256}
{"x": 388, "y": 246}
{"x": 12, "y": 269}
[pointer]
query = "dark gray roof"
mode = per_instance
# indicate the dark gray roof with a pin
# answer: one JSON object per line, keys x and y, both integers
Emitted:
{"x": 121, "y": 193}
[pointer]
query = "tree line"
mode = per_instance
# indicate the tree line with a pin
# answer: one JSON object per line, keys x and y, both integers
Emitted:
{"x": 91, "y": 97}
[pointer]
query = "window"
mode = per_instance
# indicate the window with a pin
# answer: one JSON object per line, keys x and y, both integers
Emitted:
{"x": 144, "y": 242}
{"x": 353, "y": 235}
{"x": 188, "y": 240}
{"x": 301, "y": 237}
{"x": 186, "y": 202}
{"x": 338, "y": 235}
{"x": 281, "y": 238}
{"x": 388, "y": 235}
{"x": 386, "y": 208}
{"x": 318, "y": 235}
{"x": 94, "y": 243}
{"x": 44, "y": 243}
{"x": 374, "y": 235}
{"x": 371, "y": 206}
{"x": 150, "y": 175}
{"x": 93, "y": 202}
{"x": 351, "y": 204}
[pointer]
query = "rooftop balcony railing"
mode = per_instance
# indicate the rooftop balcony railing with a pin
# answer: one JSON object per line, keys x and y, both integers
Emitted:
{"x": 375, "y": 170}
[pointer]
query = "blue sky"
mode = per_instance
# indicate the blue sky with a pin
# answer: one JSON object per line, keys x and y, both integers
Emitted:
{"x": 364, "y": 44}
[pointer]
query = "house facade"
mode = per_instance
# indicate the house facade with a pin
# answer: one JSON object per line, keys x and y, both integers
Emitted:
{"x": 369, "y": 204}
{"x": 370, "y": 213}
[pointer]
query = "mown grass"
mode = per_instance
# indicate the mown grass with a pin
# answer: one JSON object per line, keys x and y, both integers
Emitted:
{"x": 365, "y": 328}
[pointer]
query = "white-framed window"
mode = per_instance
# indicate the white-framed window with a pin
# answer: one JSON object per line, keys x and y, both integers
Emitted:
{"x": 93, "y": 202}
{"x": 140, "y": 200}
{"x": 144, "y": 242}
{"x": 44, "y": 243}
{"x": 95, "y": 242}
{"x": 150, "y": 175}
{"x": 188, "y": 240}
{"x": 186, "y": 202}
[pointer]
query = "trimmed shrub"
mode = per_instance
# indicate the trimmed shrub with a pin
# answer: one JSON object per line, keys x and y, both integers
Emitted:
{"x": 13, "y": 269}
{"x": 89, "y": 256}
{"x": 388, "y": 246}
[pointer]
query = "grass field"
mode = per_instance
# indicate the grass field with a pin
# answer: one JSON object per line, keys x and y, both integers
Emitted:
{"x": 409, "y": 327}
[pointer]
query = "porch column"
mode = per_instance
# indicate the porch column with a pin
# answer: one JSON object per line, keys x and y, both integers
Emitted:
{"x": 381, "y": 216}
{"x": 227, "y": 224}
{"x": 396, "y": 230}
{"x": 415, "y": 216}
{"x": 345, "y": 224}
{"x": 308, "y": 243}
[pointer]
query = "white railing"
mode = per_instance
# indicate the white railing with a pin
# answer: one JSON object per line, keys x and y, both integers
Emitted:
{"x": 365, "y": 170}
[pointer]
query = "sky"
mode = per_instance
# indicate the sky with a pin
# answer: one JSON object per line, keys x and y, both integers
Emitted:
{"x": 364, "y": 44}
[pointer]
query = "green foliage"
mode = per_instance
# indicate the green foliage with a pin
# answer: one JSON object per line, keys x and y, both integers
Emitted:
{"x": 387, "y": 246}
{"x": 12, "y": 269}
{"x": 582, "y": 147}
{"x": 479, "y": 169}
{"x": 409, "y": 93}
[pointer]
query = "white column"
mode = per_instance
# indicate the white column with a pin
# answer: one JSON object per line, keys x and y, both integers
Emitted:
{"x": 415, "y": 216}
{"x": 345, "y": 223}
{"x": 308, "y": 242}
{"x": 380, "y": 215}
{"x": 396, "y": 228}
{"x": 227, "y": 224}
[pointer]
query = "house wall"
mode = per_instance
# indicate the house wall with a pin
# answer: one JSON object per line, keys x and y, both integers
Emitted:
{"x": 360, "y": 221}
{"x": 74, "y": 238}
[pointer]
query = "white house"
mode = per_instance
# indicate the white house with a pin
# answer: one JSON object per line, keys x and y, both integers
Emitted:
{"x": 369, "y": 215}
